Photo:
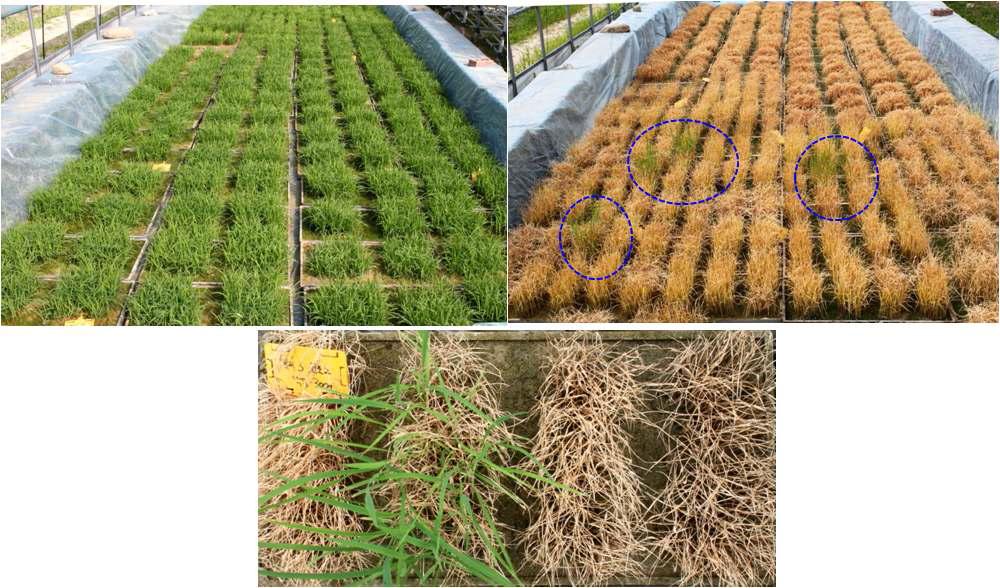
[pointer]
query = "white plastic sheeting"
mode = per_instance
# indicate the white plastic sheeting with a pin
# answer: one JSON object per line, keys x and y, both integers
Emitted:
{"x": 964, "y": 55}
{"x": 480, "y": 92}
{"x": 47, "y": 119}
{"x": 560, "y": 105}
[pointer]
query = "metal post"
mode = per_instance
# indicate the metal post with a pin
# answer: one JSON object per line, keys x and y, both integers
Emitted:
{"x": 541, "y": 38}
{"x": 119, "y": 15}
{"x": 69, "y": 29}
{"x": 43, "y": 32}
{"x": 569, "y": 29}
{"x": 590, "y": 7}
{"x": 34, "y": 44}
{"x": 510, "y": 68}
{"x": 97, "y": 20}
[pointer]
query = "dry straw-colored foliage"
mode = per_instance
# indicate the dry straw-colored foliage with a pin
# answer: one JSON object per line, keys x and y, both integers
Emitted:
{"x": 774, "y": 77}
{"x": 280, "y": 460}
{"x": 589, "y": 397}
{"x": 715, "y": 516}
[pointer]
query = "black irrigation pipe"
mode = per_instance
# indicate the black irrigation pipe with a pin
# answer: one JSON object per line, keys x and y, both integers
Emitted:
{"x": 296, "y": 296}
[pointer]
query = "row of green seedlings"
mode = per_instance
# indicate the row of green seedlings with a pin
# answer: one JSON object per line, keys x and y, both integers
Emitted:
{"x": 218, "y": 25}
{"x": 416, "y": 190}
{"x": 227, "y": 232}
{"x": 72, "y": 255}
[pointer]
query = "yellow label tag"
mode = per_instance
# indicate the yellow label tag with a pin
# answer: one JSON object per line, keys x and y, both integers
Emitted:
{"x": 161, "y": 167}
{"x": 79, "y": 322}
{"x": 306, "y": 371}
{"x": 680, "y": 103}
{"x": 864, "y": 134}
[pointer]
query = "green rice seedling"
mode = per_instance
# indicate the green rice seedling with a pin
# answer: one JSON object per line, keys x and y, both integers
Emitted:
{"x": 34, "y": 241}
{"x": 435, "y": 304}
{"x": 409, "y": 257}
{"x": 330, "y": 216}
{"x": 321, "y": 152}
{"x": 193, "y": 207}
{"x": 332, "y": 179}
{"x": 199, "y": 177}
{"x": 453, "y": 213}
{"x": 210, "y": 152}
{"x": 90, "y": 290}
{"x": 487, "y": 293}
{"x": 252, "y": 299}
{"x": 18, "y": 284}
{"x": 153, "y": 146}
{"x": 119, "y": 210}
{"x": 391, "y": 183}
{"x": 473, "y": 254}
{"x": 107, "y": 146}
{"x": 343, "y": 257}
{"x": 214, "y": 130}
{"x": 59, "y": 203}
{"x": 325, "y": 131}
{"x": 824, "y": 164}
{"x": 257, "y": 208}
{"x": 261, "y": 151}
{"x": 442, "y": 177}
{"x": 183, "y": 249}
{"x": 86, "y": 174}
{"x": 258, "y": 248}
{"x": 399, "y": 217}
{"x": 103, "y": 245}
{"x": 124, "y": 121}
{"x": 164, "y": 300}
{"x": 491, "y": 183}
{"x": 262, "y": 176}
{"x": 137, "y": 179}
{"x": 348, "y": 303}
{"x": 265, "y": 113}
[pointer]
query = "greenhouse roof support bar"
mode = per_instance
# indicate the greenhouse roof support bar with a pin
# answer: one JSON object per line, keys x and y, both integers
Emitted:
{"x": 34, "y": 43}
{"x": 569, "y": 29}
{"x": 97, "y": 20}
{"x": 69, "y": 29}
{"x": 541, "y": 38}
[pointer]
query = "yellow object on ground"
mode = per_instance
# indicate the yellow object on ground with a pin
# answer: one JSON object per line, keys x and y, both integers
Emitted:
{"x": 79, "y": 322}
{"x": 306, "y": 371}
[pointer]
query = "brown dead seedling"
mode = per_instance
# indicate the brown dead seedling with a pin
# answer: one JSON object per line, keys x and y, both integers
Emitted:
{"x": 590, "y": 395}
{"x": 715, "y": 516}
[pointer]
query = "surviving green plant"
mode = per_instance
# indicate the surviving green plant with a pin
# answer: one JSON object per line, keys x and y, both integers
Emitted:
{"x": 421, "y": 464}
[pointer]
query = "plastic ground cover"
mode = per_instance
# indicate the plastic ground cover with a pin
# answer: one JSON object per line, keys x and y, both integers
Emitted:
{"x": 559, "y": 106}
{"x": 964, "y": 55}
{"x": 480, "y": 92}
{"x": 47, "y": 119}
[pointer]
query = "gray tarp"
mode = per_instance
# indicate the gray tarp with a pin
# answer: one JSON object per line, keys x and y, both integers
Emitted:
{"x": 559, "y": 106}
{"x": 44, "y": 123}
{"x": 964, "y": 55}
{"x": 480, "y": 92}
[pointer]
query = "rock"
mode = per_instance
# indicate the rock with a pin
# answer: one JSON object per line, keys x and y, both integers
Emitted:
{"x": 616, "y": 28}
{"x": 118, "y": 33}
{"x": 61, "y": 69}
{"x": 479, "y": 62}
{"x": 942, "y": 11}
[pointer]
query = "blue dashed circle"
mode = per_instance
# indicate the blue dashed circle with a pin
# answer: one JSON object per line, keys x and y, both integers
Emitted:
{"x": 795, "y": 178}
{"x": 631, "y": 237}
{"x": 736, "y": 171}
